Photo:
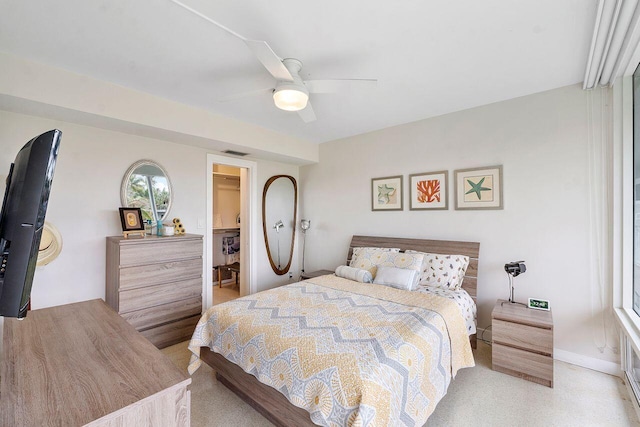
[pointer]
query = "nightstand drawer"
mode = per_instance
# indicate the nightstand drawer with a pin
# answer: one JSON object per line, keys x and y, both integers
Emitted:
{"x": 523, "y": 336}
{"x": 523, "y": 364}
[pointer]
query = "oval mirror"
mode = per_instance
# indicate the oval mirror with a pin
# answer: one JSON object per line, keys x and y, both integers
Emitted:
{"x": 146, "y": 185}
{"x": 279, "y": 209}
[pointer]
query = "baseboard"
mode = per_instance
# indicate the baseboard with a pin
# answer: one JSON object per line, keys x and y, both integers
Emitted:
{"x": 599, "y": 365}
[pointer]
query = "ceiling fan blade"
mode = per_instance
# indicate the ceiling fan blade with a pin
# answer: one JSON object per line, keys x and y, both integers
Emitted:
{"x": 269, "y": 59}
{"x": 206, "y": 18}
{"x": 307, "y": 114}
{"x": 256, "y": 92}
{"x": 261, "y": 49}
{"x": 339, "y": 85}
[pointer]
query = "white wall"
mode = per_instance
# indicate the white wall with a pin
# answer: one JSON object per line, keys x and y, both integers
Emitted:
{"x": 85, "y": 198}
{"x": 541, "y": 141}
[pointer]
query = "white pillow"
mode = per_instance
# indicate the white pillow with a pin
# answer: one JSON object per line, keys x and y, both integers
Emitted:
{"x": 399, "y": 278}
{"x": 352, "y": 273}
{"x": 371, "y": 260}
{"x": 443, "y": 271}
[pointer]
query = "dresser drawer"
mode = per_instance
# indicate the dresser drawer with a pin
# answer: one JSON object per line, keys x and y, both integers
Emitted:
{"x": 523, "y": 364}
{"x": 171, "y": 333}
{"x": 153, "y": 316}
{"x": 523, "y": 336}
{"x": 150, "y": 274}
{"x": 173, "y": 249}
{"x": 153, "y": 296}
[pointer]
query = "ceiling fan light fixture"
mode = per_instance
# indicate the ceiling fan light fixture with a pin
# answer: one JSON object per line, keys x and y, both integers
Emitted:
{"x": 290, "y": 98}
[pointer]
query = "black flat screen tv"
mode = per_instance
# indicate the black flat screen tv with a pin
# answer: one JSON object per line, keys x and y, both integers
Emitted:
{"x": 22, "y": 218}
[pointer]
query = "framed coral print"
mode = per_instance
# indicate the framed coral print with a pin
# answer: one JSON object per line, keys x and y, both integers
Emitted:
{"x": 428, "y": 191}
{"x": 386, "y": 193}
{"x": 479, "y": 188}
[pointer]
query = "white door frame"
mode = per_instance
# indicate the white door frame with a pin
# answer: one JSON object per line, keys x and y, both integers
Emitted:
{"x": 248, "y": 215}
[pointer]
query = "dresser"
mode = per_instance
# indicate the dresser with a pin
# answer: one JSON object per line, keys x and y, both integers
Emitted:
{"x": 155, "y": 284}
{"x": 522, "y": 342}
{"x": 82, "y": 364}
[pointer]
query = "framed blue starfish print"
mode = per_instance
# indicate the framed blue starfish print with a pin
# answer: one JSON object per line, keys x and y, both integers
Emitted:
{"x": 479, "y": 188}
{"x": 386, "y": 193}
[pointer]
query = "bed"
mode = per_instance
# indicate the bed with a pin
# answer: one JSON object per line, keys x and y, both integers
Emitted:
{"x": 348, "y": 352}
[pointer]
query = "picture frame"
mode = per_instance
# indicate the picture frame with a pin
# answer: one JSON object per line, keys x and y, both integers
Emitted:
{"x": 428, "y": 191}
{"x": 131, "y": 219}
{"x": 479, "y": 188}
{"x": 386, "y": 193}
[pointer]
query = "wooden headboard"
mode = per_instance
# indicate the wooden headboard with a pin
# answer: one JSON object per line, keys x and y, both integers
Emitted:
{"x": 470, "y": 249}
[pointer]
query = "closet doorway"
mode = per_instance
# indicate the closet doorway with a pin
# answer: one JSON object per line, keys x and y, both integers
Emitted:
{"x": 231, "y": 186}
{"x": 226, "y": 233}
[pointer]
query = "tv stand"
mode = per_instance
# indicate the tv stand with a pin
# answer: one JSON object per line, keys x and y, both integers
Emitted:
{"x": 82, "y": 363}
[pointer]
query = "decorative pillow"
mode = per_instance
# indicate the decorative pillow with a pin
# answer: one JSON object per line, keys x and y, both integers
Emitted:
{"x": 399, "y": 278}
{"x": 444, "y": 271}
{"x": 367, "y": 252}
{"x": 356, "y": 274}
{"x": 362, "y": 257}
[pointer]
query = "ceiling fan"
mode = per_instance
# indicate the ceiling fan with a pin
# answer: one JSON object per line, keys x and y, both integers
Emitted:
{"x": 290, "y": 92}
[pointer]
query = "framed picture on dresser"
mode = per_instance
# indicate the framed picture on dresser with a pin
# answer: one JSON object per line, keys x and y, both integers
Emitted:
{"x": 131, "y": 219}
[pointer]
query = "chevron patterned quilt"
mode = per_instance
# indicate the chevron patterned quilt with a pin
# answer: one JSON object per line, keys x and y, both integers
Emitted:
{"x": 351, "y": 354}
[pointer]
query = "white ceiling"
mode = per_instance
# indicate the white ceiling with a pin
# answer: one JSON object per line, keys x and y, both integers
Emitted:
{"x": 430, "y": 57}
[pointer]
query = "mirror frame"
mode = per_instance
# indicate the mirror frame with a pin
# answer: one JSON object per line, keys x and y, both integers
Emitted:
{"x": 127, "y": 176}
{"x": 286, "y": 268}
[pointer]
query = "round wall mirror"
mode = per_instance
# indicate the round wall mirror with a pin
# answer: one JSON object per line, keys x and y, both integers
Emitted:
{"x": 279, "y": 209}
{"x": 146, "y": 185}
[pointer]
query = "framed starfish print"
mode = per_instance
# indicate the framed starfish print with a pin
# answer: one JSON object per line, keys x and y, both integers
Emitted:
{"x": 428, "y": 190}
{"x": 386, "y": 193}
{"x": 479, "y": 188}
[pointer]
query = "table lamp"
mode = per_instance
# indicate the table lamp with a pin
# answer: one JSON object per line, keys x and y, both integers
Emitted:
{"x": 514, "y": 269}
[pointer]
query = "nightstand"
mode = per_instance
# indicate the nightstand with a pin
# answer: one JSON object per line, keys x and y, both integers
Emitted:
{"x": 316, "y": 273}
{"x": 522, "y": 342}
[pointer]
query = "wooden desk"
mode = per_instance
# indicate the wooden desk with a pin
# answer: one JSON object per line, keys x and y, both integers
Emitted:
{"x": 235, "y": 268}
{"x": 82, "y": 364}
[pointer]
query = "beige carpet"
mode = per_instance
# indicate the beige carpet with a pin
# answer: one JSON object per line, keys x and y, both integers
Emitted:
{"x": 477, "y": 397}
